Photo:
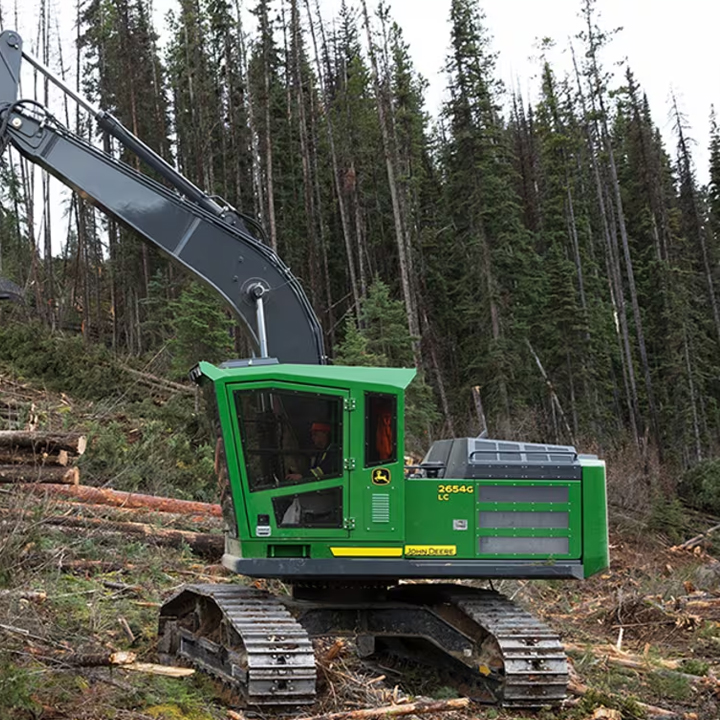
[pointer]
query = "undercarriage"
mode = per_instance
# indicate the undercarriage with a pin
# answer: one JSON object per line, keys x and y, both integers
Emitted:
{"x": 261, "y": 644}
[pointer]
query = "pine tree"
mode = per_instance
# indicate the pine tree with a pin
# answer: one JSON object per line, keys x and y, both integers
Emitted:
{"x": 383, "y": 340}
{"x": 124, "y": 75}
{"x": 202, "y": 328}
{"x": 485, "y": 274}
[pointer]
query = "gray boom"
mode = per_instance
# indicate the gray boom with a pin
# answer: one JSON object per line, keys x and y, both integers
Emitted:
{"x": 185, "y": 223}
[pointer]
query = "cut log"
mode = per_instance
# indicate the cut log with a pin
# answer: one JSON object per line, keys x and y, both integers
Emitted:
{"x": 24, "y": 595}
{"x": 26, "y": 456}
{"x": 100, "y": 659}
{"x": 43, "y": 441}
{"x": 39, "y": 474}
{"x": 692, "y": 542}
{"x": 117, "y": 498}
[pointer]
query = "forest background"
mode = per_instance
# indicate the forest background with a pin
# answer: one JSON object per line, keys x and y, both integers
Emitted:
{"x": 554, "y": 254}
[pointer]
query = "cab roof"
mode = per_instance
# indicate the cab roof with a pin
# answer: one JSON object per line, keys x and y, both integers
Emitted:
{"x": 335, "y": 375}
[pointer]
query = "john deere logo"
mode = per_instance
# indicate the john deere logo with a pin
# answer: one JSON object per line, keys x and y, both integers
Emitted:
{"x": 381, "y": 476}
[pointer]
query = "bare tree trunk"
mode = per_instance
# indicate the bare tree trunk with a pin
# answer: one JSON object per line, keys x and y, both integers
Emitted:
{"x": 616, "y": 290}
{"x": 322, "y": 239}
{"x": 307, "y": 164}
{"x": 344, "y": 219}
{"x": 707, "y": 267}
{"x": 630, "y": 275}
{"x": 267, "y": 139}
{"x": 113, "y": 244}
{"x": 390, "y": 165}
{"x": 693, "y": 400}
{"x": 576, "y": 248}
{"x": 258, "y": 194}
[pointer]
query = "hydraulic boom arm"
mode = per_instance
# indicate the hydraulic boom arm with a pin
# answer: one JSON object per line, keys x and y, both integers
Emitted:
{"x": 210, "y": 240}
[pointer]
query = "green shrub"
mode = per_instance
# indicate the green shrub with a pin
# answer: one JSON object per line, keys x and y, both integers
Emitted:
{"x": 667, "y": 517}
{"x": 17, "y": 687}
{"x": 62, "y": 362}
{"x": 692, "y": 666}
{"x": 700, "y": 486}
{"x": 164, "y": 450}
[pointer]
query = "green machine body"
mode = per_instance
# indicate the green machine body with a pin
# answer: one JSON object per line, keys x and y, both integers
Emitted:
{"x": 315, "y": 485}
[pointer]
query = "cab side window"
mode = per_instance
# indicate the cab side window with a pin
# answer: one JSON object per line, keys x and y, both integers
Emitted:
{"x": 380, "y": 429}
{"x": 289, "y": 437}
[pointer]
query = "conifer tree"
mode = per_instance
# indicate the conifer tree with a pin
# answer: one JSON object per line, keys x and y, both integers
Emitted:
{"x": 382, "y": 340}
{"x": 126, "y": 78}
{"x": 487, "y": 260}
{"x": 714, "y": 184}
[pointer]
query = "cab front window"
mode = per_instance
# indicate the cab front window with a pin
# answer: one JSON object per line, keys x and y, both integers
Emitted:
{"x": 289, "y": 437}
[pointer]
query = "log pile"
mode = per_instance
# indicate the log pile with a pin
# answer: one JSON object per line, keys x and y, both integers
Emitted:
{"x": 33, "y": 456}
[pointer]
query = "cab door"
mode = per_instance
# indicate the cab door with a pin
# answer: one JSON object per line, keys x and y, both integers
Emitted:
{"x": 293, "y": 442}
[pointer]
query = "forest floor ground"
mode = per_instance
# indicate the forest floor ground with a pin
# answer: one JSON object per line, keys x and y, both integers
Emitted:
{"x": 642, "y": 637}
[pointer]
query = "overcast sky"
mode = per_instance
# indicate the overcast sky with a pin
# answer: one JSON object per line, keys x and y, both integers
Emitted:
{"x": 669, "y": 45}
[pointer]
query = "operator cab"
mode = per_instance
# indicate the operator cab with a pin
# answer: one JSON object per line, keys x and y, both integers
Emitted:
{"x": 293, "y": 437}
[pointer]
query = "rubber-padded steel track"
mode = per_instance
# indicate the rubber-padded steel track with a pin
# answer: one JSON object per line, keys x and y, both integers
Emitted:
{"x": 527, "y": 654}
{"x": 243, "y": 636}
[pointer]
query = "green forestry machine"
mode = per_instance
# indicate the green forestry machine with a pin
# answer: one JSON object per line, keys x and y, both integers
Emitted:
{"x": 315, "y": 492}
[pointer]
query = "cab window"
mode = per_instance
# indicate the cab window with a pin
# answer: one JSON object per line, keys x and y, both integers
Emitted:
{"x": 289, "y": 437}
{"x": 314, "y": 509}
{"x": 380, "y": 429}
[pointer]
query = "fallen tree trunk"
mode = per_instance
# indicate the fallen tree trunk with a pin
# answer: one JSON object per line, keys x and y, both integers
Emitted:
{"x": 158, "y": 382}
{"x": 41, "y": 441}
{"x": 118, "y": 498}
{"x": 24, "y": 595}
{"x": 610, "y": 651}
{"x": 208, "y": 545}
{"x": 164, "y": 670}
{"x": 92, "y": 566}
{"x": 39, "y": 474}
{"x": 578, "y": 688}
{"x": 160, "y": 518}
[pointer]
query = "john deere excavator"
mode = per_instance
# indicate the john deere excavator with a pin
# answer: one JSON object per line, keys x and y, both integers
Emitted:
{"x": 311, "y": 461}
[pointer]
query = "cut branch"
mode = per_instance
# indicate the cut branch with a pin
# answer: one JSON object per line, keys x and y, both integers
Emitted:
{"x": 692, "y": 542}
{"x": 417, "y": 708}
{"x": 159, "y": 383}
